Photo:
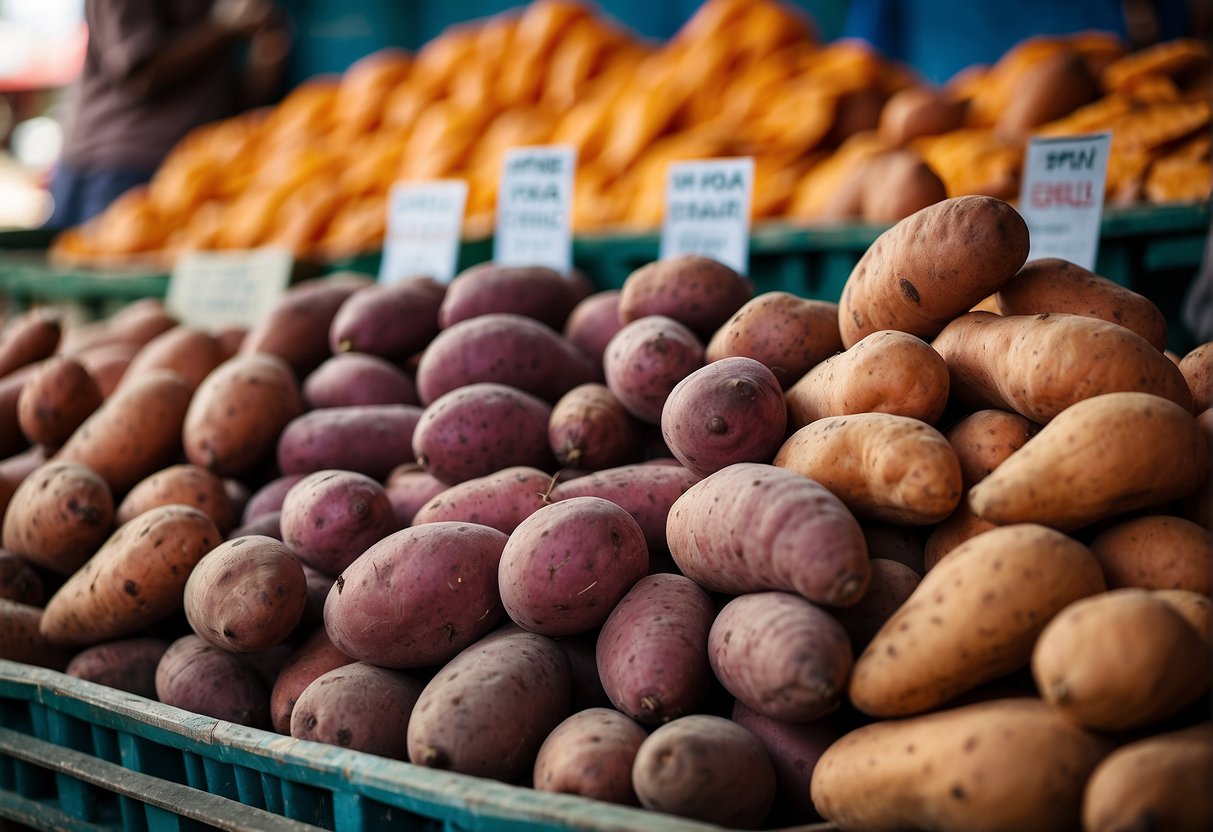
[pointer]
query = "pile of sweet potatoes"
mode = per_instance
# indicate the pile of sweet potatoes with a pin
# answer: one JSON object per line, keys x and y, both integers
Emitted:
{"x": 936, "y": 556}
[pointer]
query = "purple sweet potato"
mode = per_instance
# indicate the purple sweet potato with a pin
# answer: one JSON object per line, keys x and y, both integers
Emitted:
{"x": 198, "y": 677}
{"x": 699, "y": 292}
{"x": 331, "y": 517}
{"x": 127, "y": 664}
{"x": 368, "y": 439}
{"x": 534, "y": 291}
{"x": 646, "y": 359}
{"x": 409, "y": 487}
{"x": 314, "y": 657}
{"x": 390, "y": 320}
{"x": 591, "y": 754}
{"x": 593, "y": 322}
{"x": 269, "y": 496}
{"x": 501, "y": 500}
{"x": 590, "y": 429}
{"x": 354, "y": 378}
{"x": 891, "y": 584}
{"x": 358, "y": 706}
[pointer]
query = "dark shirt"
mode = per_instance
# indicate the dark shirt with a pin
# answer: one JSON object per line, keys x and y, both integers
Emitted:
{"x": 109, "y": 126}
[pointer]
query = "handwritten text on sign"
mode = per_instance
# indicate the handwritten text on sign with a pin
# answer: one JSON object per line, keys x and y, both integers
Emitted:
{"x": 1061, "y": 197}
{"x": 707, "y": 210}
{"x": 213, "y": 290}
{"x": 534, "y": 204}
{"x": 425, "y": 223}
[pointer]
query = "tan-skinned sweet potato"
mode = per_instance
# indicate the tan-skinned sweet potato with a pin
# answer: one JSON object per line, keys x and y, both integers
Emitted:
{"x": 1038, "y": 365}
{"x": 1155, "y": 552}
{"x": 786, "y": 332}
{"x": 58, "y": 516}
{"x": 885, "y": 372}
{"x": 1196, "y": 365}
{"x": 753, "y": 526}
{"x": 955, "y": 529}
{"x": 932, "y": 266}
{"x": 920, "y": 110}
{"x": 1195, "y": 607}
{"x": 28, "y": 338}
{"x": 591, "y": 754}
{"x": 21, "y": 639}
{"x": 983, "y": 439}
{"x": 972, "y": 618}
{"x": 696, "y": 291}
{"x": 186, "y": 484}
{"x": 189, "y": 351}
{"x": 1100, "y": 457}
{"x": 883, "y": 466}
{"x": 56, "y": 400}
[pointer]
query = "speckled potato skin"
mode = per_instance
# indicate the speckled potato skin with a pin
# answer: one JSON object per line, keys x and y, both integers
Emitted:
{"x": 127, "y": 664}
{"x": 135, "y": 432}
{"x": 331, "y": 517}
{"x": 591, "y": 754}
{"x": 358, "y": 706}
{"x": 534, "y": 291}
{"x": 1040, "y": 365}
{"x": 489, "y": 709}
{"x": 186, "y": 484}
{"x": 728, "y": 411}
{"x": 700, "y": 292}
{"x": 1006, "y": 764}
{"x": 885, "y": 372}
{"x": 504, "y": 348}
{"x": 501, "y": 500}
{"x": 972, "y": 618}
{"x": 780, "y": 655}
{"x": 984, "y": 439}
{"x": 21, "y": 639}
{"x": 246, "y": 595}
{"x": 354, "y": 378}
{"x": 390, "y": 320}
{"x": 19, "y": 581}
{"x": 1196, "y": 366}
{"x": 1155, "y": 552}
{"x": 296, "y": 329}
{"x": 55, "y": 400}
{"x": 199, "y": 677}
{"x": 135, "y": 579}
{"x": 787, "y": 333}
{"x": 892, "y": 582}
{"x": 883, "y": 466}
{"x": 192, "y": 352}
{"x": 652, "y": 651}
{"x": 370, "y": 439}
{"x": 932, "y": 266}
{"x": 707, "y": 768}
{"x": 752, "y": 527}
{"x": 566, "y": 565}
{"x": 238, "y": 412}
{"x": 593, "y": 322}
{"x": 590, "y": 429}
{"x": 314, "y": 657}
{"x": 1195, "y": 607}
{"x": 646, "y": 359}
{"x": 418, "y": 596}
{"x": 58, "y": 516}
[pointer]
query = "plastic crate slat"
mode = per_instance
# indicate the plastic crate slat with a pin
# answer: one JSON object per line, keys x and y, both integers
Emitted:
{"x": 39, "y": 815}
{"x": 211, "y": 809}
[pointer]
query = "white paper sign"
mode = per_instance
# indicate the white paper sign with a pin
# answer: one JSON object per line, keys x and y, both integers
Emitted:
{"x": 217, "y": 289}
{"x": 424, "y": 230}
{"x": 534, "y": 206}
{"x": 1061, "y": 197}
{"x": 707, "y": 210}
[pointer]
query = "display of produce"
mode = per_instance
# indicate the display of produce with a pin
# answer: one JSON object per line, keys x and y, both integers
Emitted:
{"x": 935, "y": 556}
{"x": 838, "y": 132}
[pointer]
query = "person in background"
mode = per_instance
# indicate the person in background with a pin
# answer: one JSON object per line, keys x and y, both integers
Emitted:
{"x": 153, "y": 71}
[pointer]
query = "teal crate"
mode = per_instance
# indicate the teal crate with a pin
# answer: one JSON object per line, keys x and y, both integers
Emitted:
{"x": 79, "y": 756}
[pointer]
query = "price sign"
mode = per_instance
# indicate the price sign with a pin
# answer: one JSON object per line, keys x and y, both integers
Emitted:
{"x": 424, "y": 230}
{"x": 707, "y": 210}
{"x": 1061, "y": 197}
{"x": 217, "y": 289}
{"x": 534, "y": 202}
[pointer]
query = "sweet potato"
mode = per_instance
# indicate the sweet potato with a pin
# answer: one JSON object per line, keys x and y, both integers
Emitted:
{"x": 1051, "y": 284}
{"x": 589, "y": 428}
{"x": 591, "y": 754}
{"x": 409, "y": 487}
{"x": 501, "y": 500}
{"x": 1196, "y": 366}
{"x": 534, "y": 291}
{"x": 1155, "y": 552}
{"x": 652, "y": 652}
{"x": 106, "y": 364}
{"x": 390, "y": 320}
{"x": 352, "y": 378}
{"x": 973, "y": 618}
{"x": 238, "y": 413}
{"x": 418, "y": 596}
{"x": 12, "y": 438}
{"x": 884, "y": 467}
{"x": 358, "y": 706}
{"x": 191, "y": 352}
{"x": 955, "y": 529}
{"x": 331, "y": 517}
{"x": 787, "y": 333}
{"x": 645, "y": 360}
{"x": 135, "y": 432}
{"x": 315, "y": 656}
{"x": 503, "y": 348}
{"x": 1157, "y": 782}
{"x": 246, "y": 595}
{"x": 1100, "y": 457}
{"x": 133, "y": 326}
{"x": 982, "y": 440}
{"x": 698, "y": 292}
{"x": 780, "y": 655}
{"x": 566, "y": 565}
{"x": 1052, "y": 86}
{"x": 885, "y": 372}
{"x": 487, "y": 711}
{"x": 368, "y": 439}
{"x": 1007, "y": 764}
{"x": 135, "y": 579}
{"x": 55, "y": 400}
{"x": 895, "y": 184}
{"x": 269, "y": 496}
{"x": 198, "y": 677}
{"x": 920, "y": 110}
{"x": 19, "y": 581}
{"x": 1195, "y": 607}
{"x": 892, "y": 582}
{"x": 593, "y": 322}
{"x": 21, "y": 638}
{"x": 28, "y": 338}
{"x": 645, "y": 490}
{"x": 728, "y": 411}
{"x": 481, "y": 428}
{"x": 185, "y": 484}
{"x": 891, "y": 541}
{"x": 1040, "y": 365}
{"x": 1121, "y": 659}
{"x": 707, "y": 768}
{"x": 932, "y": 266}
{"x": 752, "y": 526}
{"x": 127, "y": 664}
{"x": 58, "y": 516}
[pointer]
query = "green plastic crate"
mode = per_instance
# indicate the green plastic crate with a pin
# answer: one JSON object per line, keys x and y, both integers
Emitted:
{"x": 76, "y": 755}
